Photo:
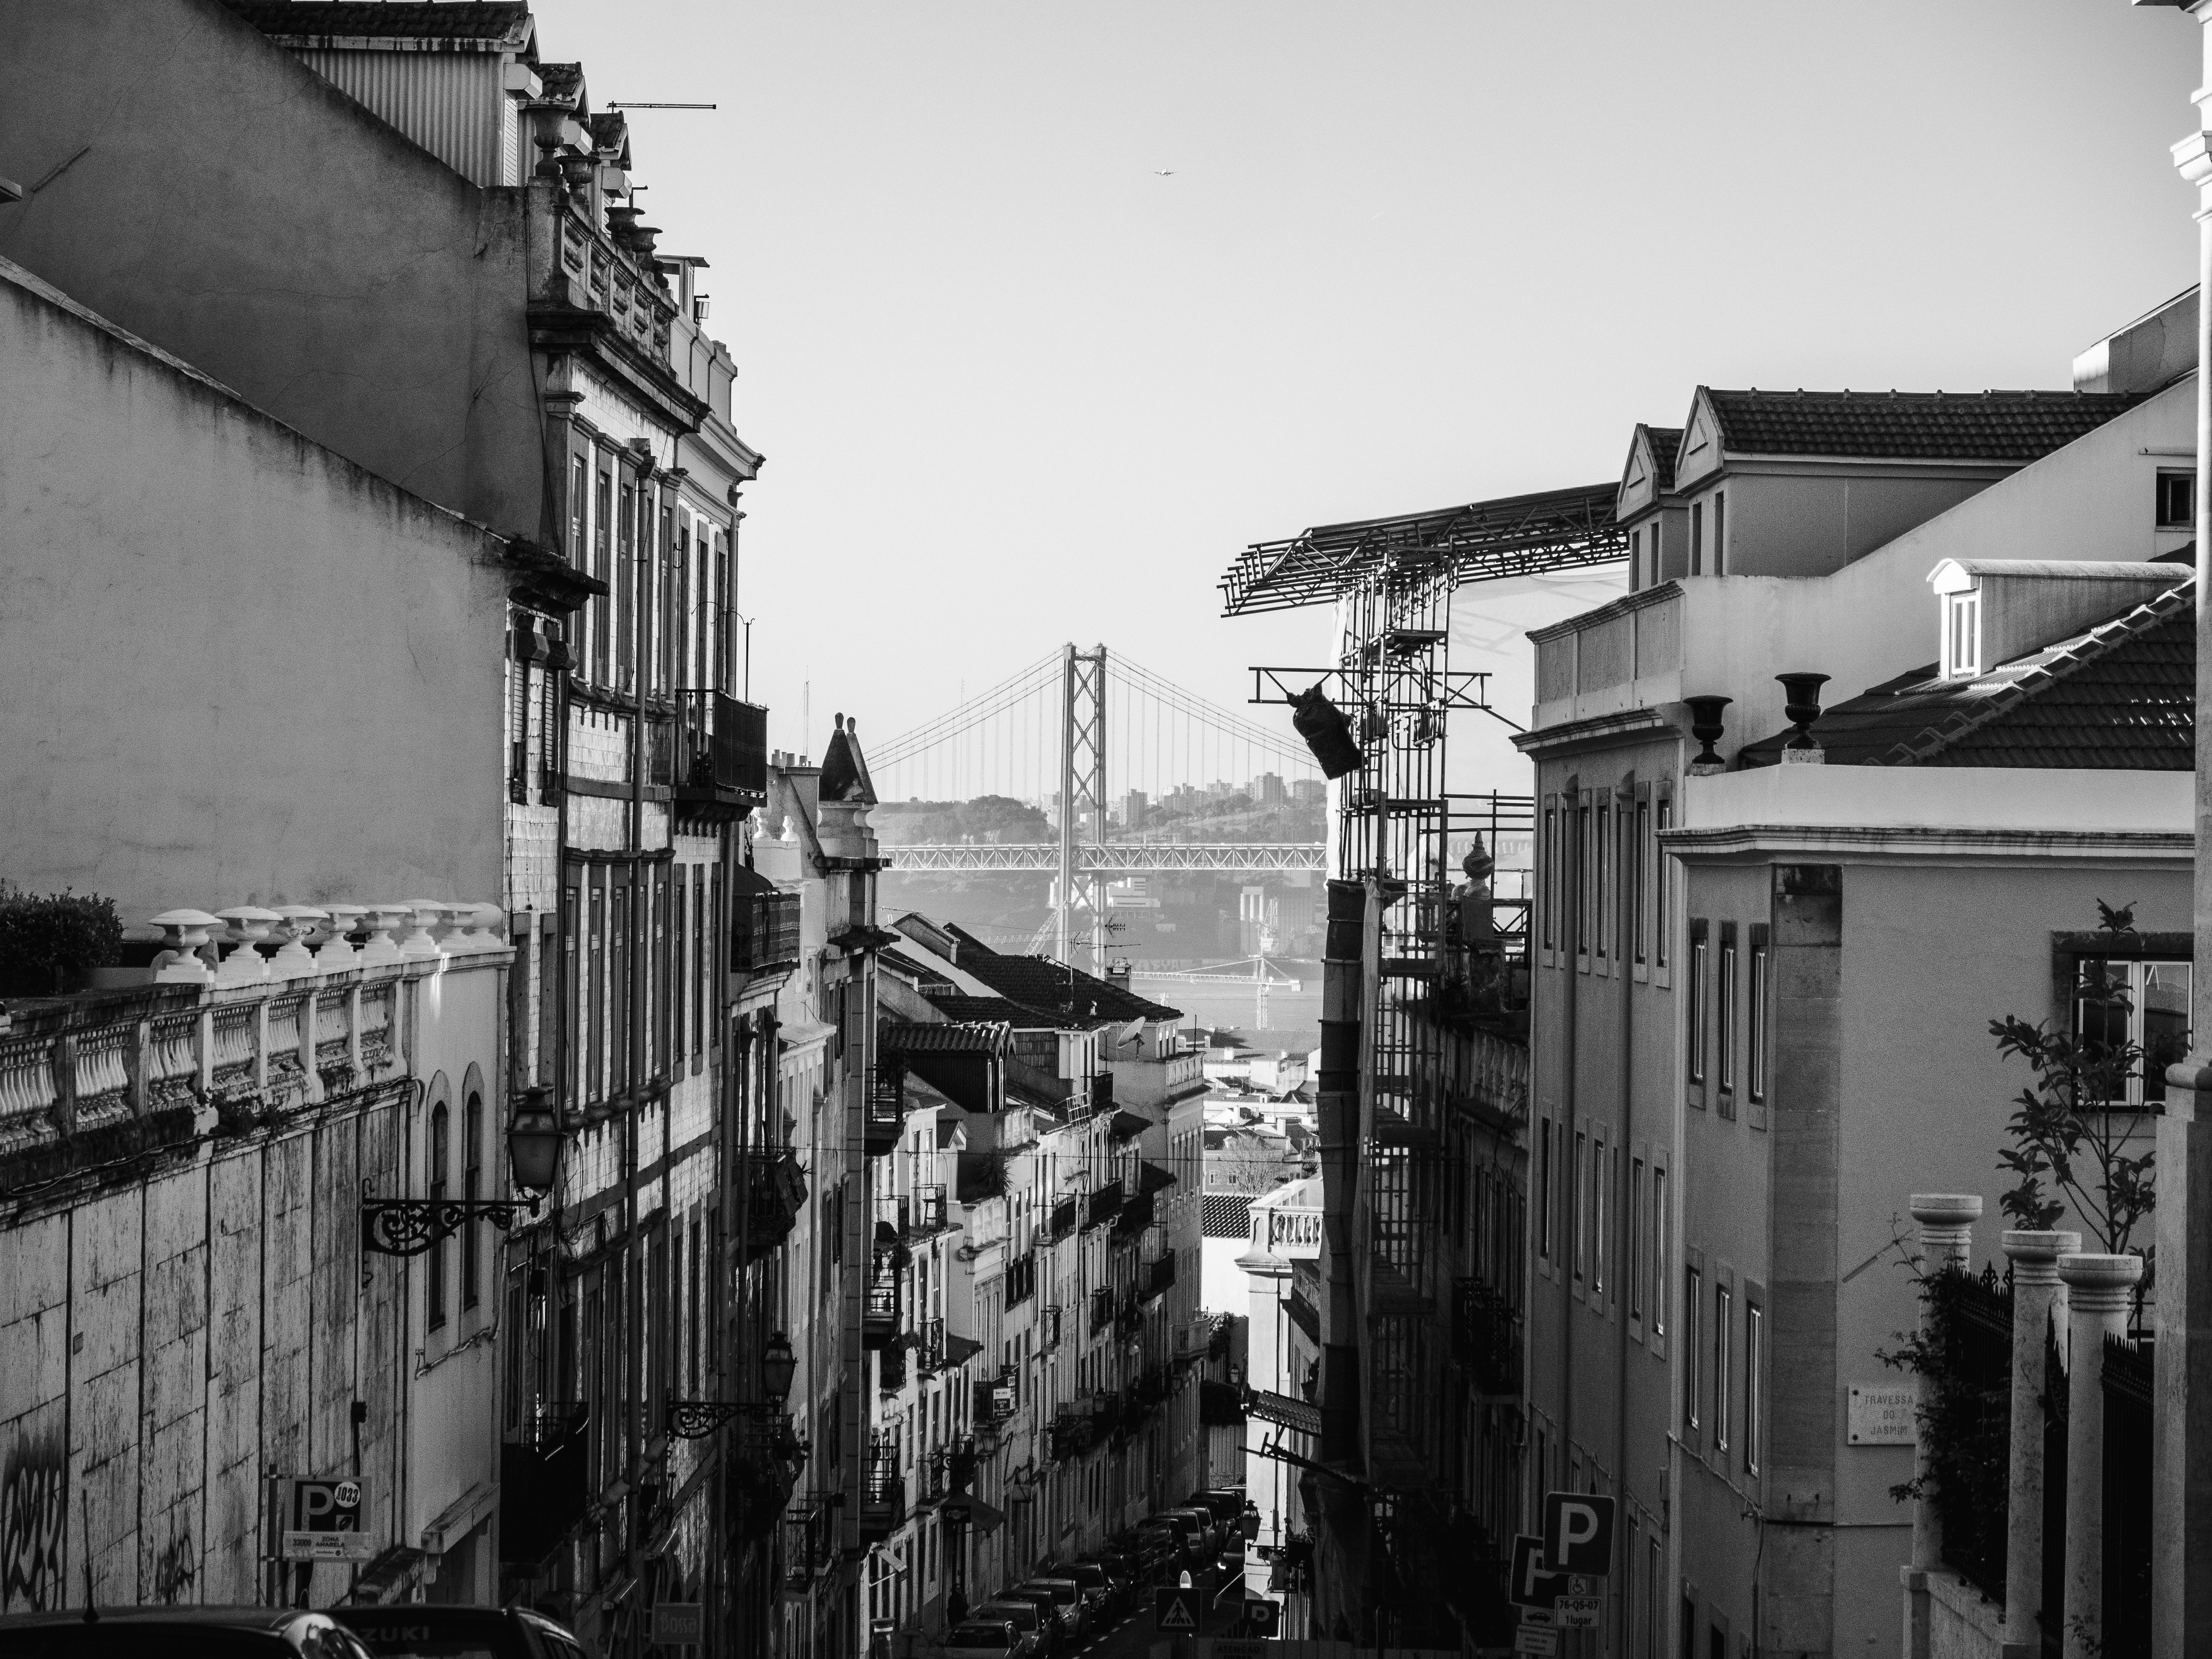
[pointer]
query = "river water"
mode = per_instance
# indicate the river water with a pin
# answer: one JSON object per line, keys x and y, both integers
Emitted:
{"x": 1271, "y": 1020}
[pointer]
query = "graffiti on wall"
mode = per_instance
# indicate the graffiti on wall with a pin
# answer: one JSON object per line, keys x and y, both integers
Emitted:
{"x": 176, "y": 1568}
{"x": 34, "y": 1518}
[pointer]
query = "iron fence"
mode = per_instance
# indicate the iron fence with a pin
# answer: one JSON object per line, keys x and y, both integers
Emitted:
{"x": 2127, "y": 1564}
{"x": 1970, "y": 1352}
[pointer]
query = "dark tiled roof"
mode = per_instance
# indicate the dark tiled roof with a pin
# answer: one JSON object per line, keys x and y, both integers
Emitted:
{"x": 1040, "y": 982}
{"x": 1225, "y": 1215}
{"x": 1666, "y": 442}
{"x": 488, "y": 20}
{"x": 2121, "y": 695}
{"x": 561, "y": 83}
{"x": 948, "y": 1038}
{"x": 993, "y": 1010}
{"x": 1959, "y": 425}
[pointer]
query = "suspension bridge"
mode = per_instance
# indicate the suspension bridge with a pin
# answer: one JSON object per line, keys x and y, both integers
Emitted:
{"x": 1053, "y": 735}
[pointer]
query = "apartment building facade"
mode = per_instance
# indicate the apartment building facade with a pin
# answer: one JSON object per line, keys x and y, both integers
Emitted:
{"x": 1718, "y": 1084}
{"x": 214, "y": 1160}
{"x": 452, "y": 290}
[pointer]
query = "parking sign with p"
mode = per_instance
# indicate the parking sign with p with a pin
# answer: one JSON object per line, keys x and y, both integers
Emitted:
{"x": 1578, "y": 1534}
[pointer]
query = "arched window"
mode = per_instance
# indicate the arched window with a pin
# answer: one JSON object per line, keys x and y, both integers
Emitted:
{"x": 471, "y": 1189}
{"x": 438, "y": 1136}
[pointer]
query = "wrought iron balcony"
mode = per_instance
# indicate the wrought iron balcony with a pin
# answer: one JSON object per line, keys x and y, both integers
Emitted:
{"x": 1486, "y": 1338}
{"x": 1021, "y": 1278}
{"x": 928, "y": 1345}
{"x": 1102, "y": 1309}
{"x": 1158, "y": 1276}
{"x": 1105, "y": 1204}
{"x": 775, "y": 1193}
{"x": 927, "y": 1214}
{"x": 720, "y": 761}
{"x": 883, "y": 1494}
{"x": 886, "y": 1110}
{"x": 879, "y": 1319}
{"x": 890, "y": 1366}
{"x": 1061, "y": 1222}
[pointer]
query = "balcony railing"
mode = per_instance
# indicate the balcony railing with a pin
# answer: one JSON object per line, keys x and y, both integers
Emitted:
{"x": 891, "y": 1367}
{"x": 1486, "y": 1337}
{"x": 600, "y": 277}
{"x": 928, "y": 1343}
{"x": 1294, "y": 1234}
{"x": 1048, "y": 1328}
{"x": 1061, "y": 1221}
{"x": 775, "y": 1193}
{"x": 1105, "y": 1205}
{"x": 879, "y": 1320}
{"x": 763, "y": 931}
{"x": 1101, "y": 1093}
{"x": 1102, "y": 1309}
{"x": 720, "y": 765}
{"x": 1160, "y": 1275}
{"x": 883, "y": 1493}
{"x": 1021, "y": 1278}
{"x": 886, "y": 1113}
{"x": 928, "y": 1213}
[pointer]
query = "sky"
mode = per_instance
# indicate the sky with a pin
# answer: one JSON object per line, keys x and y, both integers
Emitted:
{"x": 1042, "y": 312}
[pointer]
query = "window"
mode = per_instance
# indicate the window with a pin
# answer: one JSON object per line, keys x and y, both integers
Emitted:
{"x": 1755, "y": 1022}
{"x": 703, "y": 963}
{"x": 1658, "y": 1250}
{"x": 1633, "y": 1269}
{"x": 1723, "y": 1330}
{"x": 1652, "y": 1638}
{"x": 1665, "y": 808}
{"x": 471, "y": 1189}
{"x": 1543, "y": 1190}
{"x": 1551, "y": 893}
{"x": 1754, "y": 1356}
{"x": 603, "y": 519}
{"x": 1698, "y": 538}
{"x": 1580, "y": 1198}
{"x": 626, "y": 587}
{"x": 1724, "y": 1019}
{"x": 1584, "y": 853}
{"x": 1962, "y": 635}
{"x": 580, "y": 504}
{"x": 680, "y": 987}
{"x": 1693, "y": 1290}
{"x": 1636, "y": 558}
{"x": 1720, "y": 533}
{"x": 439, "y": 1135}
{"x": 2176, "y": 500}
{"x": 2143, "y": 1003}
{"x": 1640, "y": 878}
{"x": 1600, "y": 1172}
{"x": 1695, "y": 1013}
{"x": 1601, "y": 861}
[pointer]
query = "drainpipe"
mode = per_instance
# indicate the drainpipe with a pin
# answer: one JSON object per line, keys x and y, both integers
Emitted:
{"x": 1623, "y": 940}
{"x": 1570, "y": 820}
{"x": 633, "y": 1264}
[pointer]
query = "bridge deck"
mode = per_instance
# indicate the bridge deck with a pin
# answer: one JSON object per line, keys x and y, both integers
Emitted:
{"x": 1130, "y": 858}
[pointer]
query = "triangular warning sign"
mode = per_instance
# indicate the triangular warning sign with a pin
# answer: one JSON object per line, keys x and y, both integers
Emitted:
{"x": 1176, "y": 1615}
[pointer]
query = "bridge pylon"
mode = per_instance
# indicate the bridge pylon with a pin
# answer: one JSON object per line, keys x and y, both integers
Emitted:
{"x": 1079, "y": 895}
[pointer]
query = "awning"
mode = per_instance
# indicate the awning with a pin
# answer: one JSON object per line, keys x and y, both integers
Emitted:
{"x": 745, "y": 880}
{"x": 1280, "y": 1409}
{"x": 966, "y": 1506}
{"x": 959, "y": 1350}
{"x": 1151, "y": 1178}
{"x": 1127, "y": 1126}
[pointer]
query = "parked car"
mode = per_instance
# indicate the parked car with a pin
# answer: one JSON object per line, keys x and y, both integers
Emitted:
{"x": 417, "y": 1631}
{"x": 1189, "y": 1531}
{"x": 1211, "y": 1532}
{"x": 1064, "y": 1629}
{"x": 1227, "y": 1507}
{"x": 1163, "y": 1538}
{"x": 1039, "y": 1630}
{"x": 983, "y": 1638}
{"x": 1112, "y": 1590}
{"x": 1076, "y": 1606}
{"x": 180, "y": 1633}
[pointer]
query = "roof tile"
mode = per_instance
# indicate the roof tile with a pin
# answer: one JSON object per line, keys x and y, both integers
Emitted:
{"x": 1957, "y": 425}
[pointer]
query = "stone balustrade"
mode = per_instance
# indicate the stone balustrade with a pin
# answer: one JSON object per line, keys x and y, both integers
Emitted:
{"x": 95, "y": 1077}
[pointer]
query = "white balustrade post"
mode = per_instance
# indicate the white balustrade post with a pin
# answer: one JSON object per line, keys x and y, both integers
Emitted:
{"x": 2035, "y": 1291}
{"x": 424, "y": 915}
{"x": 334, "y": 951}
{"x": 381, "y": 921}
{"x": 249, "y": 925}
{"x": 182, "y": 963}
{"x": 2101, "y": 1290}
{"x": 294, "y": 960}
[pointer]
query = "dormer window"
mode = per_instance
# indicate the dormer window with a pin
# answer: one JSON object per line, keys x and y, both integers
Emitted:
{"x": 1962, "y": 634}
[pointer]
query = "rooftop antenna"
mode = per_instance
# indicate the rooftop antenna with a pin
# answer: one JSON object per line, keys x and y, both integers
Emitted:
{"x": 616, "y": 105}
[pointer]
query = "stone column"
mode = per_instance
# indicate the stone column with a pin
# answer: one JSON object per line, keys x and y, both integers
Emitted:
{"x": 2181, "y": 1422}
{"x": 2035, "y": 1290}
{"x": 2101, "y": 1290}
{"x": 1946, "y": 1240}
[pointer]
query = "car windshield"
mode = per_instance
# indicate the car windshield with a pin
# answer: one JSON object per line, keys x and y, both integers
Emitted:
{"x": 978, "y": 1636}
{"x": 1062, "y": 1593}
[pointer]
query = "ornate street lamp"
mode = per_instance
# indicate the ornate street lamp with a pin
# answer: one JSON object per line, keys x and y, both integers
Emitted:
{"x": 410, "y": 1226}
{"x": 1250, "y": 1520}
{"x": 778, "y": 1365}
